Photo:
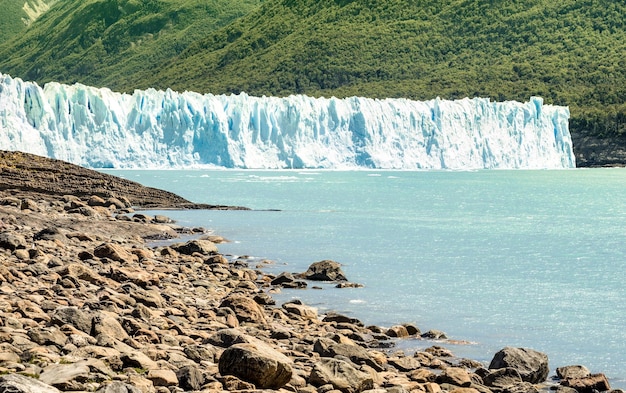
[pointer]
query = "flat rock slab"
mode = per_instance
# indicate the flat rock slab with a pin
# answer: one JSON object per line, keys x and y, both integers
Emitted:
{"x": 16, "y": 383}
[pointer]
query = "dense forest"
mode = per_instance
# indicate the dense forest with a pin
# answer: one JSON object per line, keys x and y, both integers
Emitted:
{"x": 569, "y": 52}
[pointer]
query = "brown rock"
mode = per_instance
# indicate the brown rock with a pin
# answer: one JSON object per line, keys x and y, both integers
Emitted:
{"x": 114, "y": 252}
{"x": 246, "y": 309}
{"x": 531, "y": 365}
{"x": 204, "y": 247}
{"x": 422, "y": 375}
{"x": 572, "y": 372}
{"x": 162, "y": 377}
{"x": 341, "y": 375}
{"x": 397, "y": 331}
{"x": 137, "y": 276}
{"x": 325, "y": 270}
{"x": 257, "y": 363}
{"x": 65, "y": 376}
{"x": 432, "y": 387}
{"x": 589, "y": 384}
{"x": 306, "y": 312}
{"x": 455, "y": 376}
{"x": 405, "y": 364}
{"x": 502, "y": 378}
{"x": 16, "y": 383}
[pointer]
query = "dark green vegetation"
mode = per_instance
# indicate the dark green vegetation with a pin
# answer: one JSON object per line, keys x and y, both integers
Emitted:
{"x": 113, "y": 43}
{"x": 571, "y": 52}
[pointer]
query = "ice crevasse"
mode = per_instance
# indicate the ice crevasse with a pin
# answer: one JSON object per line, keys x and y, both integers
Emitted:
{"x": 98, "y": 128}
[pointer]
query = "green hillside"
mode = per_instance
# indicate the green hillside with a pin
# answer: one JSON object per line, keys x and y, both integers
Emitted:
{"x": 111, "y": 42}
{"x": 17, "y": 15}
{"x": 571, "y": 52}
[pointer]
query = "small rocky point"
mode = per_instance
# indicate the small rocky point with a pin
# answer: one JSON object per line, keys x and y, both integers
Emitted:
{"x": 90, "y": 303}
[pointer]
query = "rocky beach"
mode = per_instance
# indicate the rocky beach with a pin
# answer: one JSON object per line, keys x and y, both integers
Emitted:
{"x": 91, "y": 302}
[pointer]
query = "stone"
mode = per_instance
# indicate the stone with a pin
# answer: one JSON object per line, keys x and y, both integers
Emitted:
{"x": 432, "y": 387}
{"x": 115, "y": 202}
{"x": 405, "y": 364}
{"x": 398, "y": 331}
{"x": 204, "y": 247}
{"x": 341, "y": 375}
{"x": 455, "y": 376}
{"x": 502, "y": 377}
{"x": 522, "y": 387}
{"x": 50, "y": 233}
{"x": 245, "y": 308}
{"x": 137, "y": 276}
{"x": 325, "y": 270}
{"x": 306, "y": 312}
{"x": 329, "y": 349}
{"x": 439, "y": 351}
{"x": 106, "y": 324}
{"x": 29, "y": 204}
{"x": 531, "y": 365}
{"x": 114, "y": 252}
{"x": 48, "y": 336}
{"x": 12, "y": 242}
{"x": 16, "y": 383}
{"x": 232, "y": 383}
{"x": 434, "y": 335}
{"x": 95, "y": 200}
{"x": 257, "y": 363}
{"x": 136, "y": 359}
{"x": 64, "y": 376}
{"x": 162, "y": 377}
{"x": 588, "y": 384}
{"x": 340, "y": 318}
{"x": 73, "y": 316}
{"x": 464, "y": 390}
{"x": 118, "y": 387}
{"x": 190, "y": 378}
{"x": 80, "y": 271}
{"x": 283, "y": 278}
{"x": 572, "y": 372}
{"x": 422, "y": 375}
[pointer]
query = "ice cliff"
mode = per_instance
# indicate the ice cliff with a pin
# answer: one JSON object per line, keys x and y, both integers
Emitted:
{"x": 163, "y": 129}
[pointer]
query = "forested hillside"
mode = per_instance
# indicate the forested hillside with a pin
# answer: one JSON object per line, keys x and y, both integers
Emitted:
{"x": 570, "y": 52}
{"x": 112, "y": 42}
{"x": 17, "y": 15}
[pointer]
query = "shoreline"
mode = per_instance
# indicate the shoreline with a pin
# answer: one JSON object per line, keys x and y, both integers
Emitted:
{"x": 88, "y": 305}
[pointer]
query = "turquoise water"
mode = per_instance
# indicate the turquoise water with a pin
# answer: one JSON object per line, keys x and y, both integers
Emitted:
{"x": 499, "y": 258}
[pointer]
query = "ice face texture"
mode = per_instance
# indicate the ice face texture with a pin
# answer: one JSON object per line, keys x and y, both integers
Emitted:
{"x": 164, "y": 129}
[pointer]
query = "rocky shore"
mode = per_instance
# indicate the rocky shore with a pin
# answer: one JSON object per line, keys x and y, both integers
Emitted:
{"x": 89, "y": 304}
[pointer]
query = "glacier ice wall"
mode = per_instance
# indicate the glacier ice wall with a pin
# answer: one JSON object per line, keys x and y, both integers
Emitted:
{"x": 163, "y": 129}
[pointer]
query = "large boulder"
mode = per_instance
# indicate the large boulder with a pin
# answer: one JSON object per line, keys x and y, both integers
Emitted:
{"x": 325, "y": 270}
{"x": 15, "y": 383}
{"x": 204, "y": 247}
{"x": 327, "y": 348}
{"x": 589, "y": 384}
{"x": 532, "y": 365}
{"x": 502, "y": 378}
{"x": 11, "y": 241}
{"x": 258, "y": 363}
{"x": 245, "y": 308}
{"x": 341, "y": 375}
{"x": 577, "y": 371}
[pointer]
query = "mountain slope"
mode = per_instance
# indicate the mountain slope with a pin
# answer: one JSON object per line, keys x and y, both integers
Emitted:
{"x": 102, "y": 42}
{"x": 16, "y": 15}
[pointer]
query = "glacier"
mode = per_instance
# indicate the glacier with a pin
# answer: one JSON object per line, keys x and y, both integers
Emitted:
{"x": 99, "y": 128}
